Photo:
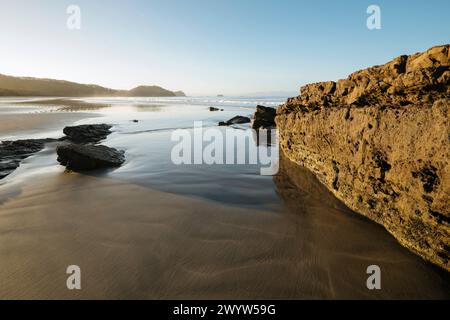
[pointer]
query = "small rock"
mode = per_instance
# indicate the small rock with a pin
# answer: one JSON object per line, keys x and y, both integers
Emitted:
{"x": 235, "y": 120}
{"x": 213, "y": 109}
{"x": 87, "y": 133}
{"x": 89, "y": 157}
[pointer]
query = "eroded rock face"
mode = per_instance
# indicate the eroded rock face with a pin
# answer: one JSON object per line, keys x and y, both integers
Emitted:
{"x": 379, "y": 140}
{"x": 418, "y": 79}
{"x": 87, "y": 133}
{"x": 78, "y": 157}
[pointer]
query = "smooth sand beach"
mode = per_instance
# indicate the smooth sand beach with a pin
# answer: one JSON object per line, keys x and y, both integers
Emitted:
{"x": 27, "y": 125}
{"x": 29, "y": 119}
{"x": 136, "y": 237}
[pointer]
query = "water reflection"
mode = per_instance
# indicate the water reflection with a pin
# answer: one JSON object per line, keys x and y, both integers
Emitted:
{"x": 66, "y": 105}
{"x": 148, "y": 108}
{"x": 338, "y": 245}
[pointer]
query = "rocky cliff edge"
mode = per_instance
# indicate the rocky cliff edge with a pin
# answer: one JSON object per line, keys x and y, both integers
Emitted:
{"x": 379, "y": 140}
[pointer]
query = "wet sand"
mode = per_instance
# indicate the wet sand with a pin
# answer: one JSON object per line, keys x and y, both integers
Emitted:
{"x": 13, "y": 126}
{"x": 41, "y": 118}
{"x": 152, "y": 231}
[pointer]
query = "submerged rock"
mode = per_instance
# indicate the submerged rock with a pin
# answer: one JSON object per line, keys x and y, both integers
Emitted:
{"x": 379, "y": 141}
{"x": 78, "y": 157}
{"x": 22, "y": 147}
{"x": 235, "y": 120}
{"x": 264, "y": 118}
{"x": 87, "y": 133}
{"x": 7, "y": 168}
{"x": 13, "y": 152}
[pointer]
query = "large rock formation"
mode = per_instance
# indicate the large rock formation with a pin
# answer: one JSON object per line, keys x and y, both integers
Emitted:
{"x": 379, "y": 140}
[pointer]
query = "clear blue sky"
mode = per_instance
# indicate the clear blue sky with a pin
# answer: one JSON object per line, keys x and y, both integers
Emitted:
{"x": 212, "y": 46}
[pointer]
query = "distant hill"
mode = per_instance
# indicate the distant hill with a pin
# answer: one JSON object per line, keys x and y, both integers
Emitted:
{"x": 150, "y": 91}
{"x": 180, "y": 94}
{"x": 25, "y": 86}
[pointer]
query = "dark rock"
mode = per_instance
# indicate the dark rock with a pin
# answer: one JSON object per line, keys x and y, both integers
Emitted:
{"x": 135, "y": 121}
{"x": 10, "y": 165}
{"x": 13, "y": 152}
{"x": 21, "y": 147}
{"x": 89, "y": 157}
{"x": 235, "y": 120}
{"x": 7, "y": 168}
{"x": 87, "y": 133}
{"x": 213, "y": 109}
{"x": 264, "y": 118}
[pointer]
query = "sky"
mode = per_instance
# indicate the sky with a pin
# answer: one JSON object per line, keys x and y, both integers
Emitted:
{"x": 210, "y": 47}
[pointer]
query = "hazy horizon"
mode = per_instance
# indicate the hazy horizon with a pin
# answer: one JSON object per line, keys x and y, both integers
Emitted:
{"x": 210, "y": 48}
